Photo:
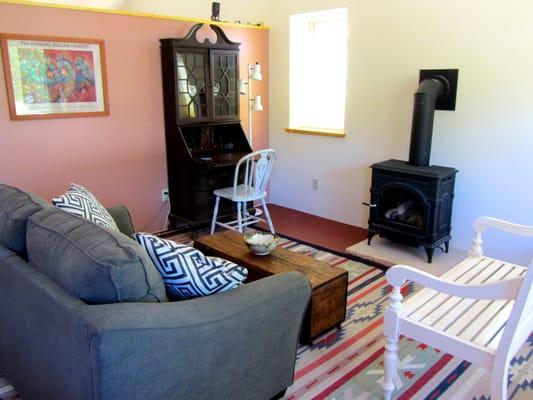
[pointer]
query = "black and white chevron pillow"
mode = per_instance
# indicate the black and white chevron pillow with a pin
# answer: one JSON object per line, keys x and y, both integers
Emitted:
{"x": 187, "y": 272}
{"x": 79, "y": 201}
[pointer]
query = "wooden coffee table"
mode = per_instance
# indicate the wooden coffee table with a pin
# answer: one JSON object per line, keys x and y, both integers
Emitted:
{"x": 329, "y": 284}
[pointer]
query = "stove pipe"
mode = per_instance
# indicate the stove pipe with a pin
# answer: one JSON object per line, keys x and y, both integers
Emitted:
{"x": 422, "y": 126}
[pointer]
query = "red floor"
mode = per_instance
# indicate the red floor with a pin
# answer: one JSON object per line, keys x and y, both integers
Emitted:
{"x": 315, "y": 230}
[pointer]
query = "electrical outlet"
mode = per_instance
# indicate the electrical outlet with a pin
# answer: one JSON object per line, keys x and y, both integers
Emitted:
{"x": 164, "y": 195}
{"x": 315, "y": 184}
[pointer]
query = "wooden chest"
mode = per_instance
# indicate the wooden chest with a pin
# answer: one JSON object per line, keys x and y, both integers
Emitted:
{"x": 329, "y": 284}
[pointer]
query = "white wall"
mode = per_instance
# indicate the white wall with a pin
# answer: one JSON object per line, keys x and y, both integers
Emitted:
{"x": 488, "y": 138}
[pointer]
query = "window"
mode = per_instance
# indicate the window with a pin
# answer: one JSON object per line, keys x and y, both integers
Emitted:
{"x": 318, "y": 63}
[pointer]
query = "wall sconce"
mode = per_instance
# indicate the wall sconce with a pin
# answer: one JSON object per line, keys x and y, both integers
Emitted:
{"x": 254, "y": 103}
{"x": 257, "y": 106}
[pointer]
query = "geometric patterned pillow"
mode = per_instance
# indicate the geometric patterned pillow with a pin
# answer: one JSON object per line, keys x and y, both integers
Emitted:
{"x": 187, "y": 272}
{"x": 79, "y": 201}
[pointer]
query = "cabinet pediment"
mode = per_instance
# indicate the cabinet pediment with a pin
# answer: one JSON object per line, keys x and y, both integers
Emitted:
{"x": 191, "y": 40}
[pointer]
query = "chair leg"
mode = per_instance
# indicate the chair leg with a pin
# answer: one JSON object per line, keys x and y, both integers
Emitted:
{"x": 498, "y": 381}
{"x": 267, "y": 215}
{"x": 239, "y": 215}
{"x": 215, "y": 212}
{"x": 389, "y": 359}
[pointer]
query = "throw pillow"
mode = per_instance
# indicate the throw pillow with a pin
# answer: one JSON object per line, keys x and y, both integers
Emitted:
{"x": 187, "y": 272}
{"x": 79, "y": 201}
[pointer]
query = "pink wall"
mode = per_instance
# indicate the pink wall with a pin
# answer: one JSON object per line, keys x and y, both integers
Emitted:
{"x": 120, "y": 158}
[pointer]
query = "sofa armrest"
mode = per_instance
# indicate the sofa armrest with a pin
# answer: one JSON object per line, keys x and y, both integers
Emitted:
{"x": 122, "y": 218}
{"x": 236, "y": 345}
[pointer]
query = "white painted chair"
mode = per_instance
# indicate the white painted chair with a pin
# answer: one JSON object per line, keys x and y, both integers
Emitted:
{"x": 254, "y": 170}
{"x": 480, "y": 310}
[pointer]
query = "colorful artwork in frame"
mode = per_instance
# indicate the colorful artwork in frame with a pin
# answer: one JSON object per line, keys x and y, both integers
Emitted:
{"x": 54, "y": 77}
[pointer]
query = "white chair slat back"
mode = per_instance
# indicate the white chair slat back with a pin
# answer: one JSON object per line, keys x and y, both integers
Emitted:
{"x": 256, "y": 173}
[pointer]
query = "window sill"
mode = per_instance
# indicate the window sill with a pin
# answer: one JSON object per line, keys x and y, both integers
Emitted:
{"x": 318, "y": 132}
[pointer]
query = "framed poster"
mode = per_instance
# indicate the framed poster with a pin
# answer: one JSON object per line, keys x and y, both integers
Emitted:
{"x": 54, "y": 77}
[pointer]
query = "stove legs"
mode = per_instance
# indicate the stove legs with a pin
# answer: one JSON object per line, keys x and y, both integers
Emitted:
{"x": 429, "y": 252}
{"x": 430, "y": 249}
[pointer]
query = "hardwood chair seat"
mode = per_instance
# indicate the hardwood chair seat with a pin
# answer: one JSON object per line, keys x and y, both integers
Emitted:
{"x": 241, "y": 193}
{"x": 473, "y": 320}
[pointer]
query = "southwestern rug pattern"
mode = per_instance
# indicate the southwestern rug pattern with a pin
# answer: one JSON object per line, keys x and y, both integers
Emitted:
{"x": 347, "y": 364}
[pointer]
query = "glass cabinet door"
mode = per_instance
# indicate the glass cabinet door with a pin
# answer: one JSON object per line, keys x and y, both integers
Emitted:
{"x": 191, "y": 78}
{"x": 225, "y": 73}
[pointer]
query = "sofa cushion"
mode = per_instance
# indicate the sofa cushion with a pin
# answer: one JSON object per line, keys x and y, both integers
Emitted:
{"x": 187, "y": 272}
{"x": 81, "y": 202}
{"x": 16, "y": 206}
{"x": 95, "y": 264}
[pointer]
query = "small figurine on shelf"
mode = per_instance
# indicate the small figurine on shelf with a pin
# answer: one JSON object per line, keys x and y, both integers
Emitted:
{"x": 215, "y": 11}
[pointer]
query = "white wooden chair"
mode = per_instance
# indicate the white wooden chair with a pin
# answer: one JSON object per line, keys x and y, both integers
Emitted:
{"x": 480, "y": 310}
{"x": 255, "y": 169}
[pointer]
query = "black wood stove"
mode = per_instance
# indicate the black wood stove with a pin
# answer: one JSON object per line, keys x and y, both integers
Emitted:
{"x": 411, "y": 202}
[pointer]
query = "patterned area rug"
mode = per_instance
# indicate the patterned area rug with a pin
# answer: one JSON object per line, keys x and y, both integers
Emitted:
{"x": 347, "y": 364}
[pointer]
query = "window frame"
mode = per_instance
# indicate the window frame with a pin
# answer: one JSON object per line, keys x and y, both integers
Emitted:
{"x": 297, "y": 21}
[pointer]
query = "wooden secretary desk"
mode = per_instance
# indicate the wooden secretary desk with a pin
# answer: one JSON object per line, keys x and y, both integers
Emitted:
{"x": 204, "y": 137}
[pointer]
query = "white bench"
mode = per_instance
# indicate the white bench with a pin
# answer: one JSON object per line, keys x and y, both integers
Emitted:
{"x": 481, "y": 310}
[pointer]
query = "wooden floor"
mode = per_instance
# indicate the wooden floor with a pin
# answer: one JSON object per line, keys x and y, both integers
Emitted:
{"x": 307, "y": 228}
{"x": 314, "y": 230}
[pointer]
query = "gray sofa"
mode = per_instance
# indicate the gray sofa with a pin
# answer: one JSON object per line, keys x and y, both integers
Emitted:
{"x": 54, "y": 345}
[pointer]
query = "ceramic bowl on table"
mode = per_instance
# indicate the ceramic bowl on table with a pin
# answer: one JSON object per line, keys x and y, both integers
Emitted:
{"x": 261, "y": 243}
